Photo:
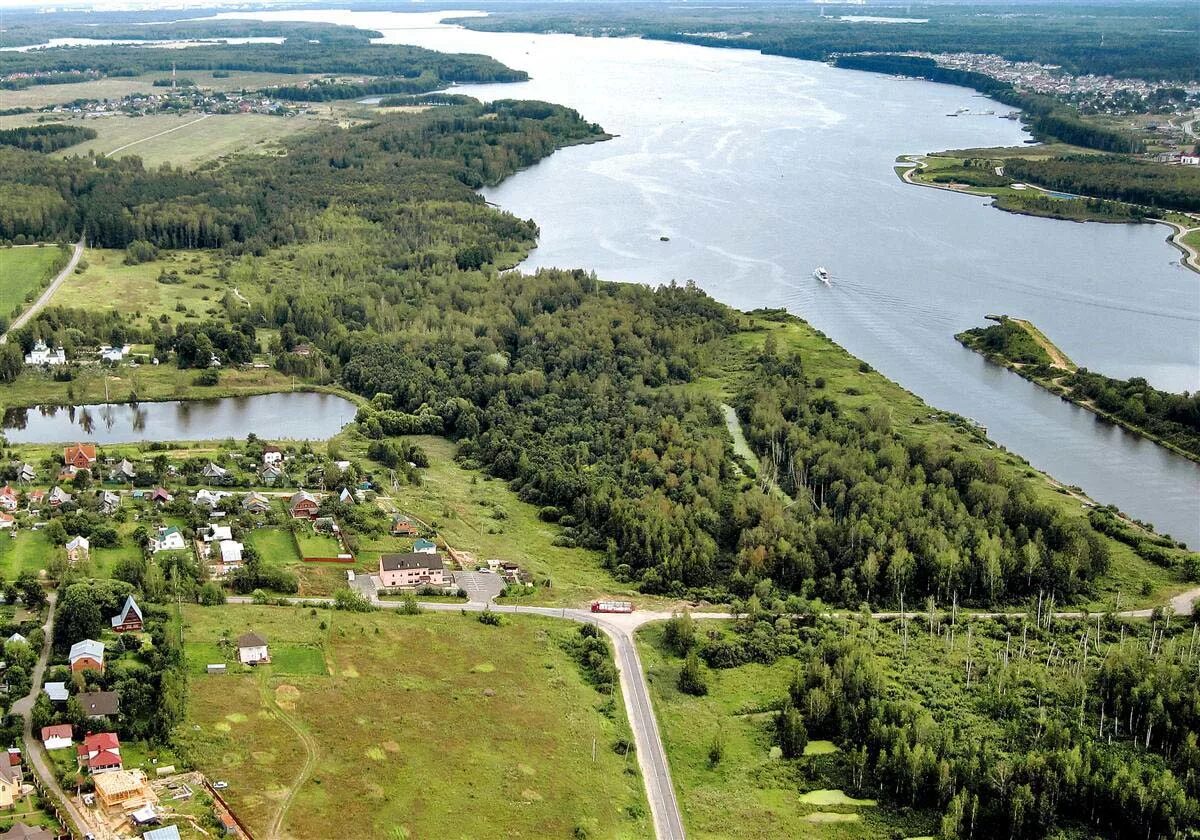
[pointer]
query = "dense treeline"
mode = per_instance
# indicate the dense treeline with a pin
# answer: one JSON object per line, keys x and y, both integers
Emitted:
{"x": 1048, "y": 119}
{"x": 20, "y": 32}
{"x": 1018, "y": 729}
{"x": 323, "y": 92}
{"x": 1120, "y": 39}
{"x": 880, "y": 517}
{"x": 391, "y": 170}
{"x": 289, "y": 57}
{"x": 1120, "y": 178}
{"x": 45, "y": 138}
{"x": 1160, "y": 415}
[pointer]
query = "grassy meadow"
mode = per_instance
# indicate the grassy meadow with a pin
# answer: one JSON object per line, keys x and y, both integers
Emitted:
{"x": 23, "y": 271}
{"x": 116, "y": 87}
{"x": 403, "y": 725}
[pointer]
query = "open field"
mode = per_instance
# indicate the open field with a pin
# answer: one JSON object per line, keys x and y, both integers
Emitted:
{"x": 107, "y": 283}
{"x": 482, "y": 516}
{"x": 854, "y": 389}
{"x": 752, "y": 792}
{"x": 38, "y": 96}
{"x": 411, "y": 724}
{"x": 185, "y": 139}
{"x": 22, "y": 272}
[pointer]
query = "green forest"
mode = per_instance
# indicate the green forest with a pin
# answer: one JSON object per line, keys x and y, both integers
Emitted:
{"x": 1162, "y": 416}
{"x": 1114, "y": 177}
{"x": 1024, "y": 727}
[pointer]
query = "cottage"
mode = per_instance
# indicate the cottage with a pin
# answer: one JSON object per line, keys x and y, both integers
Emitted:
{"x": 214, "y": 472}
{"x": 8, "y": 499}
{"x": 17, "y": 637}
{"x": 167, "y": 539}
{"x": 56, "y": 691}
{"x": 59, "y": 497}
{"x": 67, "y": 474}
{"x": 129, "y": 618}
{"x": 36, "y": 497}
{"x": 26, "y": 473}
{"x": 231, "y": 555}
{"x": 109, "y": 353}
{"x": 20, "y": 831}
{"x": 100, "y": 753}
{"x": 43, "y": 355}
{"x": 210, "y": 499}
{"x": 123, "y": 472}
{"x": 100, "y": 704}
{"x": 271, "y": 475}
{"x": 87, "y": 655}
{"x": 403, "y": 526}
{"x": 81, "y": 456}
{"x": 124, "y": 792}
{"x": 303, "y": 505}
{"x": 252, "y": 649}
{"x": 7, "y": 522}
{"x": 160, "y": 496}
{"x": 58, "y": 737}
{"x": 218, "y": 533}
{"x": 411, "y": 570}
{"x": 256, "y": 503}
{"x": 109, "y": 502}
{"x": 78, "y": 549}
{"x": 424, "y": 546}
{"x": 10, "y": 785}
{"x": 1190, "y": 160}
{"x": 346, "y": 497}
{"x": 272, "y": 455}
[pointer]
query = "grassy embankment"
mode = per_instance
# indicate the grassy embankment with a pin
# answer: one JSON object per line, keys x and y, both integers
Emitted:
{"x": 1024, "y": 349}
{"x": 400, "y": 726}
{"x": 23, "y": 272}
{"x": 856, "y": 390}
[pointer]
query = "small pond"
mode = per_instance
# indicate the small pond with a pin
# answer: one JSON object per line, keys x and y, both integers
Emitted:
{"x": 294, "y": 416}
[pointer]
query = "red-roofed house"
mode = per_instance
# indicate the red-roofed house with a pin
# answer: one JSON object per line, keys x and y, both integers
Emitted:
{"x": 100, "y": 753}
{"x": 81, "y": 456}
{"x": 58, "y": 737}
{"x": 8, "y": 498}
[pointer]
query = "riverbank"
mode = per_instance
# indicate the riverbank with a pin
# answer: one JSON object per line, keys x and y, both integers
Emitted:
{"x": 1055, "y": 372}
{"x": 1028, "y": 199}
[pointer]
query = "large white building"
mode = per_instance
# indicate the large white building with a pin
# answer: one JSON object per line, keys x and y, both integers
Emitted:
{"x": 43, "y": 355}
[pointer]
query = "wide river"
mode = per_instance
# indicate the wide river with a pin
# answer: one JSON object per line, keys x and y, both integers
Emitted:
{"x": 759, "y": 168}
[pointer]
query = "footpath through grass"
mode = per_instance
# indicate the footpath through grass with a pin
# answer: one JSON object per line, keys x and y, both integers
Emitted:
{"x": 419, "y": 723}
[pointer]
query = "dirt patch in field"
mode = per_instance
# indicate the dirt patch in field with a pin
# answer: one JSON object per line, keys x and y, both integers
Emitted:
{"x": 286, "y": 696}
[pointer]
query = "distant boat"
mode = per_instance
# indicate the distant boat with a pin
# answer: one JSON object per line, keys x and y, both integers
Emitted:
{"x": 821, "y": 274}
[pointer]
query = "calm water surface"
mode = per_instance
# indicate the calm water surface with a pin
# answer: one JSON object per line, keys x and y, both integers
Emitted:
{"x": 760, "y": 168}
{"x": 292, "y": 416}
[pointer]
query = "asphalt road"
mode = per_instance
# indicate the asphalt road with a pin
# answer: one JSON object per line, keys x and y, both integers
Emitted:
{"x": 34, "y": 751}
{"x": 44, "y": 298}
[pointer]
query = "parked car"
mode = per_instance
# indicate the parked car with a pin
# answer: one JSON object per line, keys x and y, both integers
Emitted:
{"x": 220, "y": 785}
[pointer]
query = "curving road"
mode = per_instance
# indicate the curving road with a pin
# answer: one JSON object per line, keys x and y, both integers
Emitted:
{"x": 45, "y": 296}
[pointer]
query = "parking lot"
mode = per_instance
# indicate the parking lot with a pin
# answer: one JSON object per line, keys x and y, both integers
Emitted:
{"x": 481, "y": 587}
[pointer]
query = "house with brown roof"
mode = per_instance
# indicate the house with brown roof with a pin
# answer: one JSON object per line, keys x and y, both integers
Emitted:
{"x": 81, "y": 456}
{"x": 87, "y": 655}
{"x": 20, "y": 831}
{"x": 100, "y": 704}
{"x": 411, "y": 570}
{"x": 59, "y": 497}
{"x": 404, "y": 526}
{"x": 256, "y": 503}
{"x": 252, "y": 649}
{"x": 303, "y": 505}
{"x": 160, "y": 496}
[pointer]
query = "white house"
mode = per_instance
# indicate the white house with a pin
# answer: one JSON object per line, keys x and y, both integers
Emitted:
{"x": 78, "y": 549}
{"x": 57, "y": 737}
{"x": 167, "y": 539}
{"x": 231, "y": 554}
{"x": 43, "y": 355}
{"x": 252, "y": 649}
{"x": 218, "y": 533}
{"x": 210, "y": 498}
{"x": 113, "y": 354}
{"x": 272, "y": 455}
{"x": 1189, "y": 160}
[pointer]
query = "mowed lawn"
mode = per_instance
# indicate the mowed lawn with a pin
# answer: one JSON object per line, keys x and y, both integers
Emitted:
{"x": 418, "y": 726}
{"x": 22, "y": 273}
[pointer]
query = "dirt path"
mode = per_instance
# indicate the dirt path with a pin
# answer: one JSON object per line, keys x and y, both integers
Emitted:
{"x": 153, "y": 136}
{"x": 275, "y": 829}
{"x": 1058, "y": 358}
{"x": 45, "y": 296}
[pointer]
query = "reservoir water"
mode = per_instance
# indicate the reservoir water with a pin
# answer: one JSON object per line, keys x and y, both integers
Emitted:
{"x": 290, "y": 416}
{"x": 758, "y": 168}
